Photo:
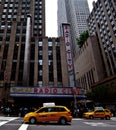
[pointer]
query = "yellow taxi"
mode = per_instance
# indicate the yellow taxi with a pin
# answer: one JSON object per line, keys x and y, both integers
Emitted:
{"x": 98, "y": 113}
{"x": 60, "y": 114}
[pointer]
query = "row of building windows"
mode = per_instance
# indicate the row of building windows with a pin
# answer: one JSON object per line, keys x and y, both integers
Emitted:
{"x": 98, "y": 16}
{"x": 20, "y": 31}
{"x": 86, "y": 80}
{"x": 32, "y": 58}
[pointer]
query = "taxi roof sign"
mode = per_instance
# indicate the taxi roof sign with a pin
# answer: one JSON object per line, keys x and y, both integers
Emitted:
{"x": 99, "y": 108}
{"x": 49, "y": 104}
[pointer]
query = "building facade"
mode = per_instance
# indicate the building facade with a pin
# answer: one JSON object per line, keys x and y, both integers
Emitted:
{"x": 95, "y": 63}
{"x": 15, "y": 15}
{"x": 102, "y": 22}
{"x": 33, "y": 67}
{"x": 75, "y": 12}
{"x": 88, "y": 64}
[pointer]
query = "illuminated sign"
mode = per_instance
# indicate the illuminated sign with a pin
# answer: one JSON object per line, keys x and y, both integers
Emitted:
{"x": 45, "y": 91}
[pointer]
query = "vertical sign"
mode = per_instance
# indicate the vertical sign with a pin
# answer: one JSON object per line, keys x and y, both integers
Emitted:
{"x": 66, "y": 32}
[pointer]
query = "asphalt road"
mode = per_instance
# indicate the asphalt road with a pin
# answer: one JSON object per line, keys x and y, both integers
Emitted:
{"x": 16, "y": 123}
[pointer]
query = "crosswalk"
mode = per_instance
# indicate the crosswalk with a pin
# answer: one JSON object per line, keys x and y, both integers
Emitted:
{"x": 98, "y": 123}
{"x": 23, "y": 126}
{"x": 4, "y": 120}
{"x": 113, "y": 118}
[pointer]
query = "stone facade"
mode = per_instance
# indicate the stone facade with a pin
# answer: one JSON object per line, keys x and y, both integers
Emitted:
{"x": 88, "y": 64}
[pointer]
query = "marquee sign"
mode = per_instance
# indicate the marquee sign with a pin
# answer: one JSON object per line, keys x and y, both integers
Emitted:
{"x": 45, "y": 91}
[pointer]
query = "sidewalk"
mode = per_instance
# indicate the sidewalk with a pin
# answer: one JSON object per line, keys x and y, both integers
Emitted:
{"x": 113, "y": 118}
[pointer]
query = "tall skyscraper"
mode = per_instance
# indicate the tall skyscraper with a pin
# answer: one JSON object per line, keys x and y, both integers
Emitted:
{"x": 20, "y": 23}
{"x": 74, "y": 12}
{"x": 102, "y": 22}
{"x": 62, "y": 15}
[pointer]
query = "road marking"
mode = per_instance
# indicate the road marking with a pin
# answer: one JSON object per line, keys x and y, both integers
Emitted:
{"x": 97, "y": 124}
{"x": 5, "y": 120}
{"x": 23, "y": 127}
{"x": 8, "y": 118}
{"x": 12, "y": 124}
{"x": 76, "y": 119}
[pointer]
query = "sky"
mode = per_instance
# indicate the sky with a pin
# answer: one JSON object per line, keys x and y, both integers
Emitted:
{"x": 51, "y": 17}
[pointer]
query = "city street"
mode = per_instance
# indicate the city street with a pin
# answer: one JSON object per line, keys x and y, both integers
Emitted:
{"x": 16, "y": 123}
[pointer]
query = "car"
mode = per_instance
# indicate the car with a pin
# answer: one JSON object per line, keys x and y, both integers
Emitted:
{"x": 60, "y": 114}
{"x": 98, "y": 113}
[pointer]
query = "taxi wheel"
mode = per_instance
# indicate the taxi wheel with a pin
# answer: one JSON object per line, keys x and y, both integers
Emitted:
{"x": 32, "y": 120}
{"x": 91, "y": 117}
{"x": 107, "y": 118}
{"x": 62, "y": 121}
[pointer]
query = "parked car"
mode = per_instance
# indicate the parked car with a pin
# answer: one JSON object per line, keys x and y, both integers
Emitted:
{"x": 60, "y": 114}
{"x": 98, "y": 113}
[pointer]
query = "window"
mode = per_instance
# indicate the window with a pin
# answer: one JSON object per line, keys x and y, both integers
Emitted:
{"x": 3, "y": 16}
{"x": 40, "y": 62}
{"x": 43, "y": 110}
{"x": 5, "y": 10}
{"x": 40, "y": 43}
{"x": 9, "y": 16}
{"x": 5, "y": 5}
{"x": 99, "y": 111}
{"x": 59, "y": 109}
{"x": 40, "y": 72}
{"x": 50, "y": 43}
{"x": 50, "y": 109}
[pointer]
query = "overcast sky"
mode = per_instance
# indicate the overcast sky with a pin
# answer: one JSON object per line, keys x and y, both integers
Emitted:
{"x": 51, "y": 17}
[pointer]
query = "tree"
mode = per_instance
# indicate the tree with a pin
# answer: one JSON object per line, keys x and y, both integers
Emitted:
{"x": 83, "y": 37}
{"x": 103, "y": 93}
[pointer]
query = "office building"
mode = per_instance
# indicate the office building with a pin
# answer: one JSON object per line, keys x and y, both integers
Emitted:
{"x": 102, "y": 22}
{"x": 75, "y": 13}
{"x": 95, "y": 62}
{"x": 20, "y": 21}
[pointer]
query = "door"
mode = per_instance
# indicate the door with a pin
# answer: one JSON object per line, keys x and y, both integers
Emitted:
{"x": 99, "y": 114}
{"x": 42, "y": 115}
{"x": 53, "y": 114}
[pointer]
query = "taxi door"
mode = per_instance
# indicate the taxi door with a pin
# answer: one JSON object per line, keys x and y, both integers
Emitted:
{"x": 52, "y": 116}
{"x": 99, "y": 114}
{"x": 42, "y": 115}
